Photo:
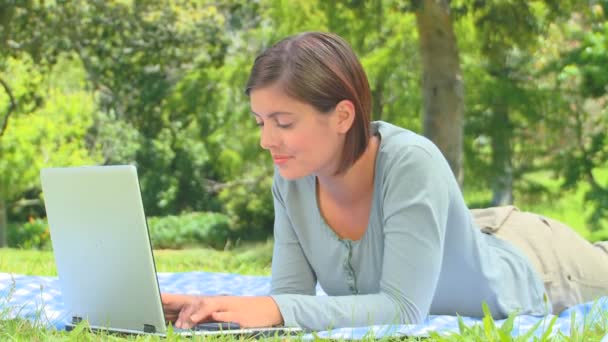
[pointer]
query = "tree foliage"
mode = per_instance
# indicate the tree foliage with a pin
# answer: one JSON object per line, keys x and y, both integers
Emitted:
{"x": 582, "y": 82}
{"x": 54, "y": 133}
{"x": 159, "y": 84}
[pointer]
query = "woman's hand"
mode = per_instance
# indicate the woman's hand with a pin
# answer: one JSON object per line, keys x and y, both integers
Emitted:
{"x": 248, "y": 312}
{"x": 173, "y": 305}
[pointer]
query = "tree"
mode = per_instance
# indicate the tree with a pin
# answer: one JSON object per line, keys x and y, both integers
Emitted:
{"x": 52, "y": 134}
{"x": 22, "y": 35}
{"x": 506, "y": 104}
{"x": 135, "y": 55}
{"x": 581, "y": 71}
{"x": 442, "y": 83}
{"x": 140, "y": 60}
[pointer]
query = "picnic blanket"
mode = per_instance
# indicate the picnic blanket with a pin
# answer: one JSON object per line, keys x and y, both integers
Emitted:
{"x": 39, "y": 299}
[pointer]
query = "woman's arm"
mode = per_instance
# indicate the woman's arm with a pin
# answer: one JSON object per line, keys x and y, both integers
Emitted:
{"x": 415, "y": 207}
{"x": 291, "y": 273}
{"x": 248, "y": 312}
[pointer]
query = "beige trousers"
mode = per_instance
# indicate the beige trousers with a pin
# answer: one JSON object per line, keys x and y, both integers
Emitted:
{"x": 573, "y": 270}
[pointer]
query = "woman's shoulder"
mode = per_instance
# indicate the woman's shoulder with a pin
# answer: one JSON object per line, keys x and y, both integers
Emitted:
{"x": 409, "y": 167}
{"x": 397, "y": 143}
{"x": 406, "y": 158}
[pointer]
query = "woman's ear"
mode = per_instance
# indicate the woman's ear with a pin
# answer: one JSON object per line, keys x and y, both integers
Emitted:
{"x": 345, "y": 116}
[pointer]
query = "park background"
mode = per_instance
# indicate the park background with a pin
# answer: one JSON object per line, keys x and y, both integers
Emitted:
{"x": 514, "y": 92}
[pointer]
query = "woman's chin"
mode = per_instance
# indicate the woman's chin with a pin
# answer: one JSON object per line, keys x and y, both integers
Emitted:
{"x": 291, "y": 174}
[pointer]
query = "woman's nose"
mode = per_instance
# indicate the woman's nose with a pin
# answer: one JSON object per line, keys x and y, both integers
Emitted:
{"x": 267, "y": 138}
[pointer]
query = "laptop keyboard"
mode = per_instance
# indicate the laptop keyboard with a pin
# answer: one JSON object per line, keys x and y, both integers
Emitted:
{"x": 216, "y": 326}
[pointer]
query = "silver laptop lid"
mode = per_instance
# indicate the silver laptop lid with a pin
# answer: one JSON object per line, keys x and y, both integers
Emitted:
{"x": 102, "y": 248}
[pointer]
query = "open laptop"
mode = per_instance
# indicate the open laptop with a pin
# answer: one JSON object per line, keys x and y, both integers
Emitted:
{"x": 103, "y": 253}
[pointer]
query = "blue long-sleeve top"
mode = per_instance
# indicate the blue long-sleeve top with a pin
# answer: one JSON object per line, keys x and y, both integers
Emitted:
{"x": 421, "y": 252}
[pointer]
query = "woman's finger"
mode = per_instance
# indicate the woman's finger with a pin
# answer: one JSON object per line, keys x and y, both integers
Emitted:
{"x": 225, "y": 316}
{"x": 202, "y": 314}
{"x": 183, "y": 319}
{"x": 170, "y": 317}
{"x": 172, "y": 302}
{"x": 168, "y": 298}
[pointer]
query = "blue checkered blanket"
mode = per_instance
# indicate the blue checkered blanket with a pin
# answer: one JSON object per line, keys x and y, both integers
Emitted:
{"x": 39, "y": 299}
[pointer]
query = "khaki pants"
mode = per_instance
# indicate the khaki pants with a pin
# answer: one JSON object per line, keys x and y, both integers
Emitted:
{"x": 574, "y": 271}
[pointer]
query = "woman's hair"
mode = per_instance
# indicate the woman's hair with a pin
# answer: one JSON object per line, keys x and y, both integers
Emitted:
{"x": 320, "y": 69}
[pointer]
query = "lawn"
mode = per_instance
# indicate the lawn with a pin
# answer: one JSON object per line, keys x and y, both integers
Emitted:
{"x": 251, "y": 259}
{"x": 255, "y": 259}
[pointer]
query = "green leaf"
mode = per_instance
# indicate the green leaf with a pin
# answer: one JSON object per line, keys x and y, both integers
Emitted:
{"x": 549, "y": 329}
{"x": 507, "y": 325}
{"x": 531, "y": 332}
{"x": 489, "y": 325}
{"x": 461, "y": 326}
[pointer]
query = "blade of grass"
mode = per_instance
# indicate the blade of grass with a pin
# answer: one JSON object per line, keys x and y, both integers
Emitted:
{"x": 489, "y": 326}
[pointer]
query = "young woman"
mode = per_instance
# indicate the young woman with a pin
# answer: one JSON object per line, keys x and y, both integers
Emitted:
{"x": 373, "y": 213}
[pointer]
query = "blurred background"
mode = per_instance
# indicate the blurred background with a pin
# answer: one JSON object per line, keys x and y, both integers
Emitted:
{"x": 514, "y": 92}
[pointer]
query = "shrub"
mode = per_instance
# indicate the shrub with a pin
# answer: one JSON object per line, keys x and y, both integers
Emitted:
{"x": 34, "y": 234}
{"x": 192, "y": 229}
{"x": 250, "y": 208}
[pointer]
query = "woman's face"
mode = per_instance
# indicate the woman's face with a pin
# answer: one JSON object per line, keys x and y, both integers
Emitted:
{"x": 301, "y": 140}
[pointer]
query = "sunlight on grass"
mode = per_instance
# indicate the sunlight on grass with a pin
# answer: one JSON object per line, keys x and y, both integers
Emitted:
{"x": 250, "y": 259}
{"x": 25, "y": 261}
{"x": 255, "y": 259}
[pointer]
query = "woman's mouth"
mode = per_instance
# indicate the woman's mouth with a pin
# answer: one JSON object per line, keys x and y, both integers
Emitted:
{"x": 280, "y": 160}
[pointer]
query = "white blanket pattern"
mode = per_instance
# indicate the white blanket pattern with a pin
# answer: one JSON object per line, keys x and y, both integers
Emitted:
{"x": 39, "y": 299}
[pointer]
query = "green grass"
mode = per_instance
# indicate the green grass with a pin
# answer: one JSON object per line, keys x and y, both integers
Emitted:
{"x": 251, "y": 259}
{"x": 254, "y": 259}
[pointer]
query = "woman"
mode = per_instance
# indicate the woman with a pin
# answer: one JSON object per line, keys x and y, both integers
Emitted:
{"x": 373, "y": 213}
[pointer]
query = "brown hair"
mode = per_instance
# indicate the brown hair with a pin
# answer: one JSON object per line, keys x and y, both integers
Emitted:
{"x": 320, "y": 69}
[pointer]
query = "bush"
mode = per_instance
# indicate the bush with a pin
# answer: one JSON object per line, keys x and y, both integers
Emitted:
{"x": 34, "y": 234}
{"x": 203, "y": 228}
{"x": 250, "y": 208}
{"x": 193, "y": 229}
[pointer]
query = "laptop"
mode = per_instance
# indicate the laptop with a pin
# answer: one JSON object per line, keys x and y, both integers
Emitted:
{"x": 104, "y": 256}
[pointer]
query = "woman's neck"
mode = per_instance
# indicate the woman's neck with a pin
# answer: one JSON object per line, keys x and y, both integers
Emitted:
{"x": 357, "y": 183}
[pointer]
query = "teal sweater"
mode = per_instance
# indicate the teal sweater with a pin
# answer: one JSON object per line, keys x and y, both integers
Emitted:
{"x": 422, "y": 253}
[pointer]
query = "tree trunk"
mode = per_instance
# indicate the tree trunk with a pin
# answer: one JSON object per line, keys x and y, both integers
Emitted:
{"x": 502, "y": 185}
{"x": 3, "y": 223}
{"x": 378, "y": 98}
{"x": 443, "y": 89}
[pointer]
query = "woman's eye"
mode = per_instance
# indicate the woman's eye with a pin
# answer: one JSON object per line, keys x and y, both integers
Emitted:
{"x": 259, "y": 123}
{"x": 284, "y": 125}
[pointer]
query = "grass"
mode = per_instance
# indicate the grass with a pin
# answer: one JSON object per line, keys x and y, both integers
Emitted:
{"x": 255, "y": 260}
{"x": 248, "y": 259}
{"x": 251, "y": 259}
{"x": 566, "y": 206}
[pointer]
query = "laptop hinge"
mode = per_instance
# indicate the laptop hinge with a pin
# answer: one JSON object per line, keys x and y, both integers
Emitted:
{"x": 149, "y": 328}
{"x": 76, "y": 320}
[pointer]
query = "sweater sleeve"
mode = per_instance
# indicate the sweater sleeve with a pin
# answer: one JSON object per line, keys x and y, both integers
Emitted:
{"x": 414, "y": 208}
{"x": 291, "y": 272}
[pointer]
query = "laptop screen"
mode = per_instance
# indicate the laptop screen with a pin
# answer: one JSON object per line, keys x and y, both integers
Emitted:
{"x": 102, "y": 247}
